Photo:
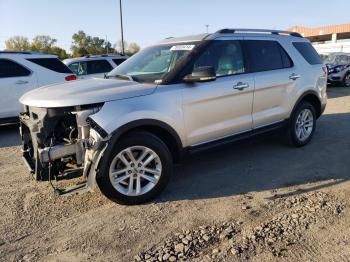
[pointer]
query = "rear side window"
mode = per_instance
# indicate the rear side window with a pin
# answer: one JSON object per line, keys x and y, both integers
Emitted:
{"x": 98, "y": 66}
{"x": 308, "y": 52}
{"x": 118, "y": 61}
{"x": 266, "y": 55}
{"x": 52, "y": 64}
{"x": 10, "y": 68}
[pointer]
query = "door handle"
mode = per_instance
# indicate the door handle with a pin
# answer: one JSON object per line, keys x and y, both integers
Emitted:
{"x": 294, "y": 76}
{"x": 241, "y": 86}
{"x": 21, "y": 82}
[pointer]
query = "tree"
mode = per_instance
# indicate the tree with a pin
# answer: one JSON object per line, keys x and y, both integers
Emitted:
{"x": 129, "y": 49}
{"x": 80, "y": 42}
{"x": 83, "y": 44}
{"x": 97, "y": 46}
{"x": 17, "y": 43}
{"x": 132, "y": 49}
{"x": 60, "y": 52}
{"x": 43, "y": 44}
{"x": 118, "y": 46}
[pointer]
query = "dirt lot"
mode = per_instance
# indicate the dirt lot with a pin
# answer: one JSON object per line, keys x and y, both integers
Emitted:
{"x": 257, "y": 200}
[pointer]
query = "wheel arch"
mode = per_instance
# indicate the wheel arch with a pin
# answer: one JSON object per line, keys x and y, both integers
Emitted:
{"x": 162, "y": 130}
{"x": 311, "y": 97}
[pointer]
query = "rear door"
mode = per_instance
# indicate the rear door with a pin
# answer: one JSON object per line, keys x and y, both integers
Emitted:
{"x": 15, "y": 80}
{"x": 275, "y": 80}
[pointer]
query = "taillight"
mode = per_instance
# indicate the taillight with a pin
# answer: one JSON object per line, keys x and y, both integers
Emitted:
{"x": 70, "y": 78}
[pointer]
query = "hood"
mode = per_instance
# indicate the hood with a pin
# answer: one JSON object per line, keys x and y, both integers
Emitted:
{"x": 84, "y": 92}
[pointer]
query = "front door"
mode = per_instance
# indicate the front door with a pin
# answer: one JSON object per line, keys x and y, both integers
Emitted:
{"x": 220, "y": 108}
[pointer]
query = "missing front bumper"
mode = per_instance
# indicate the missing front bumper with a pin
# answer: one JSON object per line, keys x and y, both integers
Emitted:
{"x": 30, "y": 152}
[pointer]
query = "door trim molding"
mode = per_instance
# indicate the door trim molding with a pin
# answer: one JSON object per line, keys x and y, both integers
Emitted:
{"x": 236, "y": 137}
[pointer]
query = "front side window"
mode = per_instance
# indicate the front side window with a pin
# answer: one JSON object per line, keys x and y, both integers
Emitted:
{"x": 98, "y": 66}
{"x": 266, "y": 55}
{"x": 10, "y": 68}
{"x": 226, "y": 57}
{"x": 153, "y": 63}
{"x": 78, "y": 68}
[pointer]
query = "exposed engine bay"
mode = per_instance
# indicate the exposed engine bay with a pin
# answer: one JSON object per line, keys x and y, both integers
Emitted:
{"x": 57, "y": 141}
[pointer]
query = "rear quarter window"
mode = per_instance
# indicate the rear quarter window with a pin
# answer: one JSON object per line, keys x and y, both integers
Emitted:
{"x": 118, "y": 61}
{"x": 52, "y": 64}
{"x": 308, "y": 52}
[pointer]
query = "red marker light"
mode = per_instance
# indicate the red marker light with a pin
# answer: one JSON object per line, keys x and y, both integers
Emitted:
{"x": 70, "y": 78}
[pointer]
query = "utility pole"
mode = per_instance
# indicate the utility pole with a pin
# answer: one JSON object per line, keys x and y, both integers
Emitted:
{"x": 207, "y": 26}
{"x": 107, "y": 45}
{"x": 121, "y": 25}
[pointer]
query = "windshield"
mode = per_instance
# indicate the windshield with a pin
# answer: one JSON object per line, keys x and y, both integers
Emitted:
{"x": 152, "y": 63}
{"x": 338, "y": 59}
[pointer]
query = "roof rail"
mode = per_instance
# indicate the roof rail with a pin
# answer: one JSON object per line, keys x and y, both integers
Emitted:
{"x": 241, "y": 30}
{"x": 102, "y": 55}
{"x": 16, "y": 52}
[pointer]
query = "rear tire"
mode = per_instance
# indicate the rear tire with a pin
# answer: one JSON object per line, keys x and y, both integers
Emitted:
{"x": 302, "y": 125}
{"x": 136, "y": 170}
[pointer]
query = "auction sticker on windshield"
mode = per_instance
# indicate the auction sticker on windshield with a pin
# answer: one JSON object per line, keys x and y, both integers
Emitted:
{"x": 182, "y": 48}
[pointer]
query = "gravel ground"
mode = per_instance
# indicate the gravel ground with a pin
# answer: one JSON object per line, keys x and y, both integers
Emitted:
{"x": 257, "y": 200}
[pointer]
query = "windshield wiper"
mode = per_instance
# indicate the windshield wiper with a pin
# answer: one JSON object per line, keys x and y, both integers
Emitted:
{"x": 124, "y": 77}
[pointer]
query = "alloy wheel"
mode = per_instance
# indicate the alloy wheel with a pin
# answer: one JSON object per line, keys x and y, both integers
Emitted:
{"x": 304, "y": 124}
{"x": 135, "y": 170}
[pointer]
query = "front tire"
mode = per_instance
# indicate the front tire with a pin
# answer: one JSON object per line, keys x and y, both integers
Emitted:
{"x": 137, "y": 169}
{"x": 302, "y": 125}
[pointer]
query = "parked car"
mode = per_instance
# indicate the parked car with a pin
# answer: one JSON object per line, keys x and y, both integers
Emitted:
{"x": 338, "y": 65}
{"x": 176, "y": 97}
{"x": 94, "y": 65}
{"x": 21, "y": 72}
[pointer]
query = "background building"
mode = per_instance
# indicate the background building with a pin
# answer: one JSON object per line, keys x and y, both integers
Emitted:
{"x": 327, "y": 39}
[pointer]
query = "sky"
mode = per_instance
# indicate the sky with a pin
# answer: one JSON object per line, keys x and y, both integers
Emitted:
{"x": 146, "y": 22}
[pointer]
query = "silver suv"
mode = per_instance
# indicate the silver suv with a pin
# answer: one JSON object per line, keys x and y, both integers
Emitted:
{"x": 179, "y": 96}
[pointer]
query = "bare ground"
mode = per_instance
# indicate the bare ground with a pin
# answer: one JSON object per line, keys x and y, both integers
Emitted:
{"x": 257, "y": 200}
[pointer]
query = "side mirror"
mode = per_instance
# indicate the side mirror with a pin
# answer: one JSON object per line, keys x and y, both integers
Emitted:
{"x": 201, "y": 74}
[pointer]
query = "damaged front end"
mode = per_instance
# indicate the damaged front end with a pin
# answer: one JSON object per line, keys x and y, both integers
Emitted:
{"x": 59, "y": 141}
